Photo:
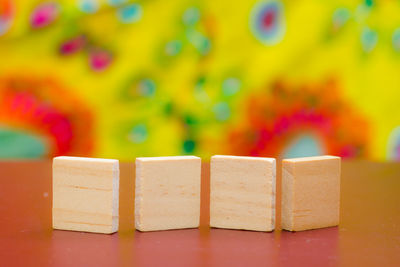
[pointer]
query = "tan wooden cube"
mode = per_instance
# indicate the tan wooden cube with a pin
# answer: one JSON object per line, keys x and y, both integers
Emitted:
{"x": 242, "y": 193}
{"x": 85, "y": 194}
{"x": 310, "y": 192}
{"x": 167, "y": 193}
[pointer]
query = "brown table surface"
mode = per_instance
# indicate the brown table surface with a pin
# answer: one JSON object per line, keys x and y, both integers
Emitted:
{"x": 368, "y": 235}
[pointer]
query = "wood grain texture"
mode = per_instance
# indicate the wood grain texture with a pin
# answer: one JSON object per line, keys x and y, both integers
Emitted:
{"x": 242, "y": 193}
{"x": 85, "y": 194}
{"x": 310, "y": 193}
{"x": 167, "y": 193}
{"x": 368, "y": 233}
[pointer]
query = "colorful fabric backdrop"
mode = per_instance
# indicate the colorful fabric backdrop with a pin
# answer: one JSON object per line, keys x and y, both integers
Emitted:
{"x": 120, "y": 79}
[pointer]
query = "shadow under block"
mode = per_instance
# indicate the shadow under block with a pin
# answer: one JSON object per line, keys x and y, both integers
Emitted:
{"x": 310, "y": 192}
{"x": 85, "y": 194}
{"x": 242, "y": 193}
{"x": 167, "y": 193}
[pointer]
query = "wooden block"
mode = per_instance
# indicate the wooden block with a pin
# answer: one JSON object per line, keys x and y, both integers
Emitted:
{"x": 242, "y": 193}
{"x": 85, "y": 194}
{"x": 167, "y": 193}
{"x": 310, "y": 193}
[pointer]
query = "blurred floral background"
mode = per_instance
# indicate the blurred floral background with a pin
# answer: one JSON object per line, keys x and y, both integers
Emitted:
{"x": 120, "y": 79}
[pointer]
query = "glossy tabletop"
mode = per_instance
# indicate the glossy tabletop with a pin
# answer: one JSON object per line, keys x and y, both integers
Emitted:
{"x": 368, "y": 235}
